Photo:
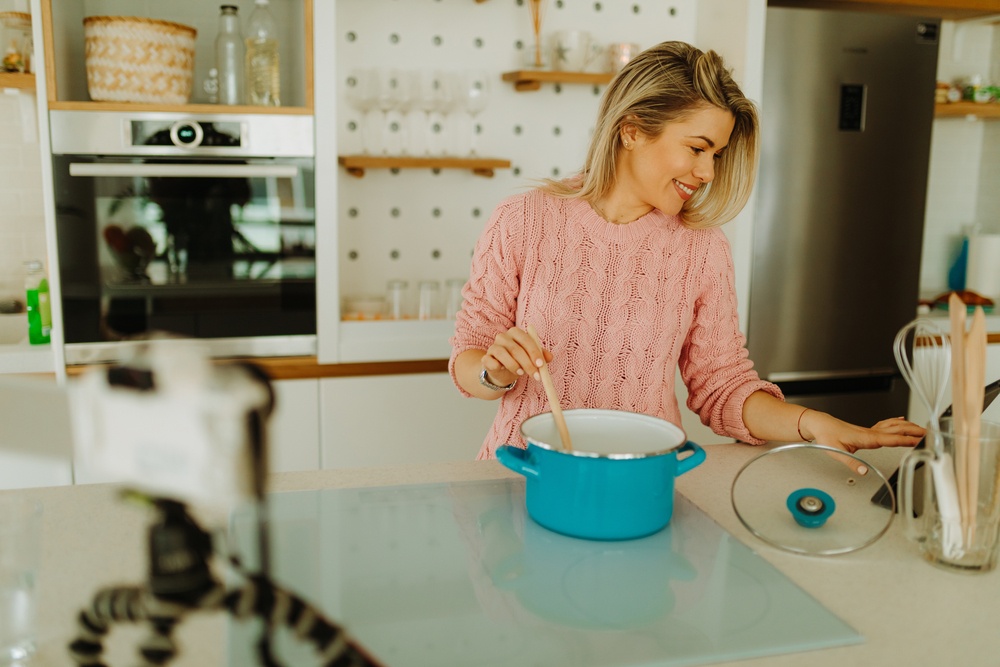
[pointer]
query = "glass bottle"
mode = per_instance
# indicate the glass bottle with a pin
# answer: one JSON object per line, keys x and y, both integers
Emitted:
{"x": 263, "y": 85}
{"x": 36, "y": 288}
{"x": 229, "y": 56}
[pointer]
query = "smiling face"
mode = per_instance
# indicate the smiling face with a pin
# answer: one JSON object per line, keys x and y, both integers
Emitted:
{"x": 665, "y": 171}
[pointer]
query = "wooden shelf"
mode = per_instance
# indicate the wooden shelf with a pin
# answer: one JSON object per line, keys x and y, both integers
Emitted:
{"x": 533, "y": 79}
{"x": 964, "y": 109}
{"x": 17, "y": 80}
{"x": 956, "y": 10}
{"x": 356, "y": 164}
{"x": 177, "y": 108}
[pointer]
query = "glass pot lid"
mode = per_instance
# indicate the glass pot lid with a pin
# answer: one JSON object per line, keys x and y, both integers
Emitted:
{"x": 804, "y": 499}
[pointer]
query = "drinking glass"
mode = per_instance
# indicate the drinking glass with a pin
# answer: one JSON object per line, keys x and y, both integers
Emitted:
{"x": 428, "y": 293}
{"x": 396, "y": 298}
{"x": 454, "y": 288}
{"x": 20, "y": 553}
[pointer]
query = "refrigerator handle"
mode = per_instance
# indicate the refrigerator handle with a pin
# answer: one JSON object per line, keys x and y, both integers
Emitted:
{"x": 800, "y": 376}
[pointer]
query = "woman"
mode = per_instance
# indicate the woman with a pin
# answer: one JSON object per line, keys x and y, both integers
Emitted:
{"x": 625, "y": 274}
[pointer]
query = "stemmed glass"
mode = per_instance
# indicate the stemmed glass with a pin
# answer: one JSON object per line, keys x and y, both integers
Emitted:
{"x": 363, "y": 95}
{"x": 475, "y": 90}
{"x": 438, "y": 101}
{"x": 394, "y": 100}
{"x": 410, "y": 116}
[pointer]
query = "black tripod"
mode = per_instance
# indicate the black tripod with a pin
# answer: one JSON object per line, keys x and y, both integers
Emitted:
{"x": 181, "y": 581}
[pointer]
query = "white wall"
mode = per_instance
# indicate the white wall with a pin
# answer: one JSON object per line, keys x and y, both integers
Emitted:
{"x": 22, "y": 219}
{"x": 965, "y": 157}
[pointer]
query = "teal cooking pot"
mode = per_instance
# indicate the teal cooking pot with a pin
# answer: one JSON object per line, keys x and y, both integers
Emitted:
{"x": 617, "y": 482}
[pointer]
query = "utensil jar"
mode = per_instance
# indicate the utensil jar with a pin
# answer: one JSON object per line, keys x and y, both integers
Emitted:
{"x": 955, "y": 535}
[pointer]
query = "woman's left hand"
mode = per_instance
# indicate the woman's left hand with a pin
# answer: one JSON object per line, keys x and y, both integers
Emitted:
{"x": 894, "y": 432}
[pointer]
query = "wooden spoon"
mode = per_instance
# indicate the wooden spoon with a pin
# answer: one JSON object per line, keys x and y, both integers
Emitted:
{"x": 550, "y": 391}
{"x": 975, "y": 378}
{"x": 956, "y": 314}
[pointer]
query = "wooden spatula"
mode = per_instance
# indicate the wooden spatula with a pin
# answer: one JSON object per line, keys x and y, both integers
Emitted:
{"x": 550, "y": 392}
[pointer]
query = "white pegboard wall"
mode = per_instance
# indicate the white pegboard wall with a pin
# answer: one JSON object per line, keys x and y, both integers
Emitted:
{"x": 416, "y": 224}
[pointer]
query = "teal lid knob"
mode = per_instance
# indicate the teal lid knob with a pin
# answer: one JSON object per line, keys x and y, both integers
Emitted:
{"x": 810, "y": 507}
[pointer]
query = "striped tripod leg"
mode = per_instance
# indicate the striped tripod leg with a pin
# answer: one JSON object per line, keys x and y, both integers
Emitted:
{"x": 163, "y": 614}
{"x": 159, "y": 648}
{"x": 260, "y": 597}
{"x": 110, "y": 605}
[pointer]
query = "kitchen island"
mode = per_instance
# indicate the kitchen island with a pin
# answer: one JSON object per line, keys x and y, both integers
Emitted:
{"x": 909, "y": 612}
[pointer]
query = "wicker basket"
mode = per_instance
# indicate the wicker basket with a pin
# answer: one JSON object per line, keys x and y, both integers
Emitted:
{"x": 132, "y": 59}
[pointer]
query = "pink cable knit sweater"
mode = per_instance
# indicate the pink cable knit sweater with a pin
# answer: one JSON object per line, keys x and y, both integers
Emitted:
{"x": 619, "y": 306}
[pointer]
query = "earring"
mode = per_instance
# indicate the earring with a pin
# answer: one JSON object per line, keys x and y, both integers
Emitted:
{"x": 627, "y": 145}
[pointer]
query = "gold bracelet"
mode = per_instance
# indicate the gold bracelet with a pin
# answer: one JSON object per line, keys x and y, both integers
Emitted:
{"x": 798, "y": 425}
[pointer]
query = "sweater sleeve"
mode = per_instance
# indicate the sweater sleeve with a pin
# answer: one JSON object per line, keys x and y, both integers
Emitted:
{"x": 714, "y": 362}
{"x": 490, "y": 296}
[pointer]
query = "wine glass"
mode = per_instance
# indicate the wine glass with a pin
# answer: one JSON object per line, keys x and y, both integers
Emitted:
{"x": 475, "y": 90}
{"x": 362, "y": 95}
{"x": 392, "y": 99}
{"x": 438, "y": 100}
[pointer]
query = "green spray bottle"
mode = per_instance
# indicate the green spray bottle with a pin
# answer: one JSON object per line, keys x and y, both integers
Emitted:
{"x": 36, "y": 287}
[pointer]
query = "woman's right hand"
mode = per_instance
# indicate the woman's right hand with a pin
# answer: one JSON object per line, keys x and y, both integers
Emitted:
{"x": 512, "y": 355}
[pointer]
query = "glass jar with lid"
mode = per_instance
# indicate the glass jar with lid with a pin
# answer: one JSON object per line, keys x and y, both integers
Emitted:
{"x": 16, "y": 42}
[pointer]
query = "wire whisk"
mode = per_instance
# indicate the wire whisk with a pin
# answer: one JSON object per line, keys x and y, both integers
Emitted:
{"x": 925, "y": 364}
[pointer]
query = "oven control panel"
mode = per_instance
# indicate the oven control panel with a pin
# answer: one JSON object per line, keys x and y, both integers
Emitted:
{"x": 176, "y": 135}
{"x": 186, "y": 133}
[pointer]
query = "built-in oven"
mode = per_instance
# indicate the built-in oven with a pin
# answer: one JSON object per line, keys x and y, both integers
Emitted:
{"x": 198, "y": 226}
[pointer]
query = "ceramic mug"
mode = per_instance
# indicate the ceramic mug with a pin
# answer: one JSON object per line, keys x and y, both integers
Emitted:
{"x": 572, "y": 50}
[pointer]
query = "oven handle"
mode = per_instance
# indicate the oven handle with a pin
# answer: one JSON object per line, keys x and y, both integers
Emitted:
{"x": 183, "y": 170}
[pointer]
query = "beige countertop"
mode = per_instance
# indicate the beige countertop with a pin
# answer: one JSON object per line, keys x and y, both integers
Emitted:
{"x": 909, "y": 612}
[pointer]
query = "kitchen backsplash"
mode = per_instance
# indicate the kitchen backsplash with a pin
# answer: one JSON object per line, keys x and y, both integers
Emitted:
{"x": 22, "y": 222}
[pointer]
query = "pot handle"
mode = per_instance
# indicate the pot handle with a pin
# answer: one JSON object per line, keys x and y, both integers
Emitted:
{"x": 696, "y": 458}
{"x": 517, "y": 459}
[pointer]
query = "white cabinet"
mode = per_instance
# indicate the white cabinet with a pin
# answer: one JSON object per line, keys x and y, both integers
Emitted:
{"x": 294, "y": 428}
{"x": 35, "y": 435}
{"x": 399, "y": 419}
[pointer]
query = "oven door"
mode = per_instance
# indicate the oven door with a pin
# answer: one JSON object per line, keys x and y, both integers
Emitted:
{"x": 211, "y": 248}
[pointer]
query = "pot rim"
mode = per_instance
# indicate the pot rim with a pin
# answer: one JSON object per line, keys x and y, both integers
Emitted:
{"x": 615, "y": 455}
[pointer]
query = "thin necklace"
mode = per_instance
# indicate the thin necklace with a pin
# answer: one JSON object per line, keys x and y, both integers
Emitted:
{"x": 604, "y": 215}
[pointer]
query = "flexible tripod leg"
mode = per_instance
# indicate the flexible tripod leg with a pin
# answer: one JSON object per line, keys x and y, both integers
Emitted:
{"x": 110, "y": 605}
{"x": 262, "y": 598}
{"x": 134, "y": 604}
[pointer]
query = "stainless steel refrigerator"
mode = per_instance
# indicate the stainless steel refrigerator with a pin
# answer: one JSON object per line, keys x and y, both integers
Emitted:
{"x": 846, "y": 116}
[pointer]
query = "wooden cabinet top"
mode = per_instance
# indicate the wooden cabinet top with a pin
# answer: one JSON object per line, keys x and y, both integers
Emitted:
{"x": 944, "y": 9}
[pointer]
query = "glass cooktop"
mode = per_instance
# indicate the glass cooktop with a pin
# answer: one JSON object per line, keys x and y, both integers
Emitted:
{"x": 458, "y": 574}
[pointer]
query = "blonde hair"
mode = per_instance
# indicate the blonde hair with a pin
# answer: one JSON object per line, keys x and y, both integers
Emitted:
{"x": 665, "y": 84}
